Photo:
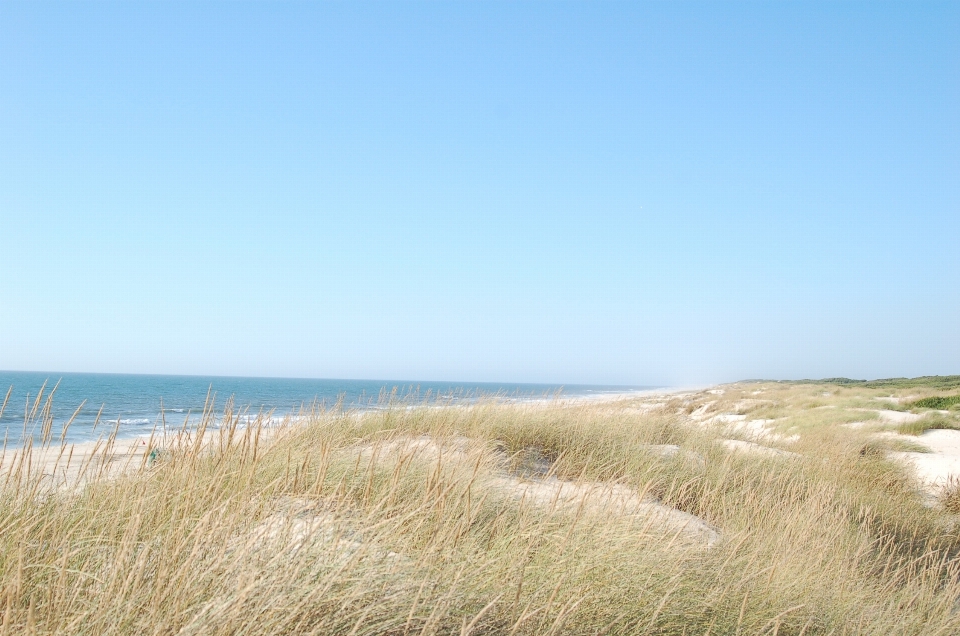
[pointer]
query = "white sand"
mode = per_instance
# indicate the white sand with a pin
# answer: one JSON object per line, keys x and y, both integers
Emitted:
{"x": 625, "y": 395}
{"x": 936, "y": 468}
{"x": 72, "y": 464}
{"x": 899, "y": 417}
{"x": 610, "y": 499}
{"x": 542, "y": 490}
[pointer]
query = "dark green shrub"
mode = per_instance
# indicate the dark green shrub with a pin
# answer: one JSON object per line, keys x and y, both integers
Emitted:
{"x": 942, "y": 403}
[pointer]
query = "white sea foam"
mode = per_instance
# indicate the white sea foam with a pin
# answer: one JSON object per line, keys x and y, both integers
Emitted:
{"x": 135, "y": 420}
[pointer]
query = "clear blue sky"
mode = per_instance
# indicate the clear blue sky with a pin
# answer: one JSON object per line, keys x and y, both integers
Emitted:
{"x": 578, "y": 192}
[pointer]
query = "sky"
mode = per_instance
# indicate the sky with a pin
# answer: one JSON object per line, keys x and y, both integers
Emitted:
{"x": 612, "y": 193}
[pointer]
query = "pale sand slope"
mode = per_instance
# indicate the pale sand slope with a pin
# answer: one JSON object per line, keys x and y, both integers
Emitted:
{"x": 539, "y": 488}
{"x": 936, "y": 468}
{"x": 65, "y": 465}
{"x": 566, "y": 400}
{"x": 75, "y": 464}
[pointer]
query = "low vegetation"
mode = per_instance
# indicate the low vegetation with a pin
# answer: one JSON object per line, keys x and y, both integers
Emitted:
{"x": 929, "y": 423}
{"x": 940, "y": 402}
{"x": 937, "y": 382}
{"x": 671, "y": 514}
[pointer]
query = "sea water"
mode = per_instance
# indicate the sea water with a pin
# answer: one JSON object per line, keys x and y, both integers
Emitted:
{"x": 136, "y": 405}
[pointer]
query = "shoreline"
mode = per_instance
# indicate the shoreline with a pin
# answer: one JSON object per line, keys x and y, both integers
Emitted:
{"x": 935, "y": 467}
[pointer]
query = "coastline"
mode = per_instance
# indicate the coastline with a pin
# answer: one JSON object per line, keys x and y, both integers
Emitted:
{"x": 935, "y": 461}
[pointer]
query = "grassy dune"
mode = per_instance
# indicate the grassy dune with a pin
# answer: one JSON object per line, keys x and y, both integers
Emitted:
{"x": 670, "y": 514}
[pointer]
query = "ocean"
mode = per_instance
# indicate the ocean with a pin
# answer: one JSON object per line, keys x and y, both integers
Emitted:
{"x": 132, "y": 403}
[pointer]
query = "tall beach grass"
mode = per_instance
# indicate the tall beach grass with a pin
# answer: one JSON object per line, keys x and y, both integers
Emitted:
{"x": 425, "y": 519}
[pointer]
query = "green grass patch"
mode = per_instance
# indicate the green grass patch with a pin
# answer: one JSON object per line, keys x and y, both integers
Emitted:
{"x": 928, "y": 381}
{"x": 928, "y": 423}
{"x": 940, "y": 402}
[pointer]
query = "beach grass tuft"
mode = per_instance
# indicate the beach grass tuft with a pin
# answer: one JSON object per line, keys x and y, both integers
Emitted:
{"x": 935, "y": 421}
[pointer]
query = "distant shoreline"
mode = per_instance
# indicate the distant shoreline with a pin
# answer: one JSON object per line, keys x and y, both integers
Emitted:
{"x": 135, "y": 401}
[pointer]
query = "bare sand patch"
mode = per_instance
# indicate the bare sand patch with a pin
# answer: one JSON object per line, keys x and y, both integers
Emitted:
{"x": 423, "y": 446}
{"x": 934, "y": 469}
{"x": 615, "y": 499}
{"x": 895, "y": 417}
{"x": 738, "y": 425}
{"x": 299, "y": 523}
{"x": 72, "y": 464}
{"x": 533, "y": 484}
{"x": 899, "y": 417}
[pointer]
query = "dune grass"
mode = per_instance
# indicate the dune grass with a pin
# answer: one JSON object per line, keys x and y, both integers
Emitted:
{"x": 937, "y": 382}
{"x": 413, "y": 519}
{"x": 941, "y": 402}
{"x": 929, "y": 423}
